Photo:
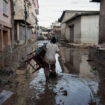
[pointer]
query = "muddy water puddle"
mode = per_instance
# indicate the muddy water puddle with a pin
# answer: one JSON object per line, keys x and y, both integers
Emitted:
{"x": 77, "y": 83}
{"x": 75, "y": 61}
{"x": 67, "y": 89}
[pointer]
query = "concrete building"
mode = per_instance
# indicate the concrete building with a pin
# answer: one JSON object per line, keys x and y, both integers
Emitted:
{"x": 67, "y": 14}
{"x": 102, "y": 21}
{"x": 30, "y": 14}
{"x": 83, "y": 28}
{"x": 5, "y": 24}
{"x": 56, "y": 28}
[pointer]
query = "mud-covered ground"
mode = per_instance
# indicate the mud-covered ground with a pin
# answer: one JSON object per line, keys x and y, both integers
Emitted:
{"x": 79, "y": 82}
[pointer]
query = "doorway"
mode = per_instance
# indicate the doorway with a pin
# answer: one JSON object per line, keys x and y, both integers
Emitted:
{"x": 71, "y": 33}
{"x": 5, "y": 39}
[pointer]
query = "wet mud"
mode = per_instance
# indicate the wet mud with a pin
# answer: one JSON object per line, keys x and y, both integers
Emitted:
{"x": 78, "y": 82}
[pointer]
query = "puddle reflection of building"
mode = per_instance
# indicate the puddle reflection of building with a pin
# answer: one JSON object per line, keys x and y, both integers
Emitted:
{"x": 71, "y": 61}
{"x": 75, "y": 62}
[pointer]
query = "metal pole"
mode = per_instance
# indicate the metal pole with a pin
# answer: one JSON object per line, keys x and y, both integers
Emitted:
{"x": 12, "y": 20}
{"x": 25, "y": 12}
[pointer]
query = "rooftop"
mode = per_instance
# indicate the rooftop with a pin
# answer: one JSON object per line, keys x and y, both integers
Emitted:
{"x": 81, "y": 14}
{"x": 63, "y": 14}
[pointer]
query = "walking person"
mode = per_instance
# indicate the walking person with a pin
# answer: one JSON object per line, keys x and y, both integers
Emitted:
{"x": 50, "y": 60}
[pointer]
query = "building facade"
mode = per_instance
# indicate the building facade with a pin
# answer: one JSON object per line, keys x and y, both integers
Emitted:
{"x": 83, "y": 28}
{"x": 66, "y": 15}
{"x": 25, "y": 20}
{"x": 5, "y": 25}
{"x": 102, "y": 21}
{"x": 56, "y": 28}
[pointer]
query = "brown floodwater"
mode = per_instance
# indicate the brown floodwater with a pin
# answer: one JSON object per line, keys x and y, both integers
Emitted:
{"x": 79, "y": 82}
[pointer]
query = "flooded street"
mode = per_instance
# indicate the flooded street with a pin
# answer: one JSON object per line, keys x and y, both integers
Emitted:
{"x": 79, "y": 82}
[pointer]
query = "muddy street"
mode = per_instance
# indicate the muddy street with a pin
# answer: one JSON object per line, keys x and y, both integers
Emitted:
{"x": 79, "y": 82}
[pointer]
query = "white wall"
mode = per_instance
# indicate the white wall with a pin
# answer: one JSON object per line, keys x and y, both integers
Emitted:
{"x": 77, "y": 30}
{"x": 67, "y": 35}
{"x": 63, "y": 28}
{"x": 90, "y": 29}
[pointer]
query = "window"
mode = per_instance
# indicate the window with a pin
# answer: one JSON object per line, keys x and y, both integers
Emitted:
{"x": 5, "y": 7}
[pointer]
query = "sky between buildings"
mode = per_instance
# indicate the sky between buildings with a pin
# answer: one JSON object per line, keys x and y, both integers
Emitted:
{"x": 51, "y": 10}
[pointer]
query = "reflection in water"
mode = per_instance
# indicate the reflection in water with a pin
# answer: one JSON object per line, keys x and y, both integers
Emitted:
{"x": 11, "y": 60}
{"x": 77, "y": 85}
{"x": 75, "y": 62}
{"x": 78, "y": 91}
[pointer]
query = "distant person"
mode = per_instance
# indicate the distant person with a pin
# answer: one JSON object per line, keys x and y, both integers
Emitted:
{"x": 50, "y": 60}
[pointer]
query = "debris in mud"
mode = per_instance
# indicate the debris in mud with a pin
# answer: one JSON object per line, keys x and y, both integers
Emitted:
{"x": 55, "y": 93}
{"x": 94, "y": 68}
{"x": 6, "y": 72}
{"x": 92, "y": 103}
{"x": 64, "y": 93}
{"x": 89, "y": 60}
{"x": 61, "y": 88}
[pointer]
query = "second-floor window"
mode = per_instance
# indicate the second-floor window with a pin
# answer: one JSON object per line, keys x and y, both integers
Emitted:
{"x": 5, "y": 7}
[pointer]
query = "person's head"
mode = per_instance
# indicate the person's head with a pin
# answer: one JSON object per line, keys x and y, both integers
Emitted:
{"x": 53, "y": 40}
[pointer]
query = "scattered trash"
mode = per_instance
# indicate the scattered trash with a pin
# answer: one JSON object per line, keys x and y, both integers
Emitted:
{"x": 4, "y": 95}
{"x": 61, "y": 88}
{"x": 65, "y": 93}
{"x": 89, "y": 60}
{"x": 94, "y": 68}
{"x": 55, "y": 93}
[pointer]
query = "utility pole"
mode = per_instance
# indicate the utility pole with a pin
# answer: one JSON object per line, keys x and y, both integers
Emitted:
{"x": 12, "y": 21}
{"x": 25, "y": 13}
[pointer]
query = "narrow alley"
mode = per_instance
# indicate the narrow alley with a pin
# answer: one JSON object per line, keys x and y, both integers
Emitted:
{"x": 52, "y": 52}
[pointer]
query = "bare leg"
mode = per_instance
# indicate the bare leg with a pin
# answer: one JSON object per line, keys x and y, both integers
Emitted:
{"x": 46, "y": 72}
